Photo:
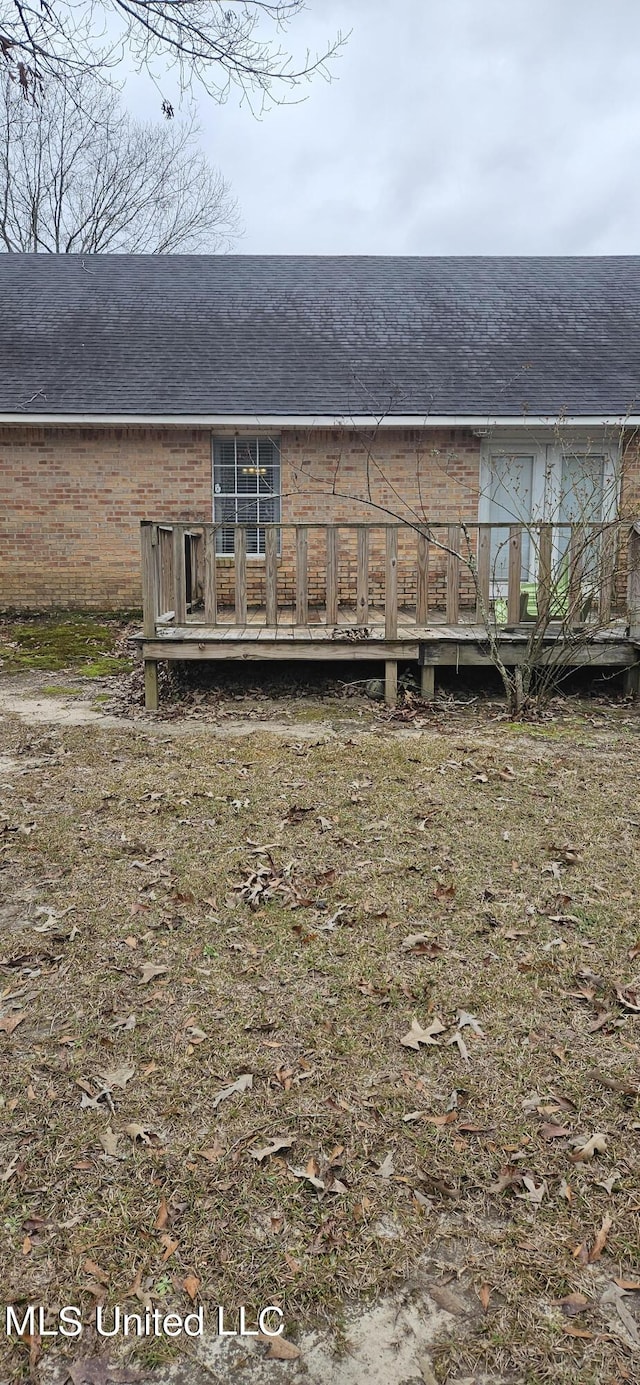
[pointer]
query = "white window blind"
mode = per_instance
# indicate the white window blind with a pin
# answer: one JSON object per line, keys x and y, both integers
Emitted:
{"x": 246, "y": 488}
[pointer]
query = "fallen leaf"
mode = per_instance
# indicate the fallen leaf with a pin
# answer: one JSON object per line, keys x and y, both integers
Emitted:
{"x": 90, "y": 1267}
{"x": 191, "y": 1284}
{"x": 169, "y": 1246}
{"x": 554, "y": 1132}
{"x": 625, "y": 1086}
{"x": 310, "y": 1174}
{"x": 572, "y": 1331}
{"x": 117, "y": 1077}
{"x": 422, "y": 945}
{"x": 417, "y": 1035}
{"x": 614, "y": 1296}
{"x": 464, "y": 1019}
{"x": 271, "y": 1148}
{"x": 145, "y": 1133}
{"x": 484, "y": 1294}
{"x": 534, "y": 1191}
{"x": 162, "y": 1215}
{"x": 109, "y": 1141}
{"x": 242, "y": 1084}
{"x": 11, "y": 1022}
{"x": 213, "y": 1154}
{"x": 600, "y": 1241}
{"x": 632, "y": 1286}
{"x": 629, "y": 996}
{"x": 385, "y": 1169}
{"x": 458, "y": 1040}
{"x": 279, "y": 1348}
{"x": 585, "y": 1151}
{"x": 572, "y": 1304}
{"x": 149, "y": 972}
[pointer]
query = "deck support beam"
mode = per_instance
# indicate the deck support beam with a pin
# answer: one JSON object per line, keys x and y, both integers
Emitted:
{"x": 151, "y": 685}
{"x": 428, "y": 682}
{"x": 391, "y": 682}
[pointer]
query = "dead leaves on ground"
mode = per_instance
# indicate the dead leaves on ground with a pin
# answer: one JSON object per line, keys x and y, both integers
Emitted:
{"x": 430, "y": 1035}
{"x": 273, "y": 1147}
{"x": 243, "y": 1083}
{"x": 586, "y": 1149}
{"x": 320, "y": 1174}
{"x": 9, "y": 1023}
{"x": 417, "y": 1035}
{"x": 149, "y": 971}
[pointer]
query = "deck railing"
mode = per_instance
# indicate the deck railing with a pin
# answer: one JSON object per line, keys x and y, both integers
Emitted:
{"x": 371, "y": 576}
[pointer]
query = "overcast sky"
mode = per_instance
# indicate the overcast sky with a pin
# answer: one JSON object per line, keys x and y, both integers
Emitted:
{"x": 452, "y": 127}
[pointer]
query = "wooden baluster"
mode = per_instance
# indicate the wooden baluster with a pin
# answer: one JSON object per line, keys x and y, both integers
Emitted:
{"x": 543, "y": 596}
{"x": 577, "y": 542}
{"x": 515, "y": 574}
{"x": 362, "y": 577}
{"x": 607, "y": 565}
{"x": 422, "y": 581}
{"x": 452, "y": 595}
{"x": 148, "y": 544}
{"x": 633, "y": 581}
{"x": 240, "y": 561}
{"x": 179, "y": 576}
{"x": 483, "y": 597}
{"x": 210, "y": 583}
{"x": 302, "y": 576}
{"x": 271, "y": 573}
{"x": 391, "y": 584}
{"x": 332, "y": 575}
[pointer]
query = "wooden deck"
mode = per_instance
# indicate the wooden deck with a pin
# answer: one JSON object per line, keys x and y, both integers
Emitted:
{"x": 331, "y": 592}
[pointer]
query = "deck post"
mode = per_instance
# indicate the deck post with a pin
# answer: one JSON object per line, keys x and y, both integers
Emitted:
{"x": 179, "y": 576}
{"x": 151, "y": 685}
{"x": 148, "y": 543}
{"x": 633, "y": 581}
{"x": 452, "y": 594}
{"x": 483, "y": 560}
{"x": 428, "y": 682}
{"x": 391, "y": 682}
{"x": 631, "y": 681}
{"x": 422, "y": 580}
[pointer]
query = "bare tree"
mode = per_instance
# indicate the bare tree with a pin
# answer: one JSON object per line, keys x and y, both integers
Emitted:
{"x": 78, "y": 174}
{"x": 217, "y": 43}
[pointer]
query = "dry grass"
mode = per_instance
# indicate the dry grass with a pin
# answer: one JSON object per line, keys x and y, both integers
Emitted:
{"x": 515, "y": 853}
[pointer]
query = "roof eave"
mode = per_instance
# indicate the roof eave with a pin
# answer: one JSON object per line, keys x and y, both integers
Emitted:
{"x": 343, "y": 421}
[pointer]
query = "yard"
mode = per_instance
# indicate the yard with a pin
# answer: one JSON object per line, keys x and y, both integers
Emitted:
{"x": 311, "y": 1005}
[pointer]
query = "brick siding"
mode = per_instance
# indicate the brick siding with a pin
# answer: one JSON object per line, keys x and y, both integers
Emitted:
{"x": 71, "y": 501}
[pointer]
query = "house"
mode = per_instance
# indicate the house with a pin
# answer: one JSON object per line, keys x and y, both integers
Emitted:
{"x": 306, "y": 391}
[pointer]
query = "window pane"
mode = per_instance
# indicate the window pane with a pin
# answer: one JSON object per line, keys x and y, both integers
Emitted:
{"x": 247, "y": 466}
{"x": 581, "y": 493}
{"x": 510, "y": 499}
{"x": 225, "y": 480}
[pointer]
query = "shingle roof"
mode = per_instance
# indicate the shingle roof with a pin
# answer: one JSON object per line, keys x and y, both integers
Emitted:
{"x": 311, "y": 335}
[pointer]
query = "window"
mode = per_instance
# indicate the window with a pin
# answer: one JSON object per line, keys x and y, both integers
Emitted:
{"x": 246, "y": 489}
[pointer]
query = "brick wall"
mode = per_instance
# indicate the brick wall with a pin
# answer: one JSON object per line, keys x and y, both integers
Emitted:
{"x": 71, "y": 500}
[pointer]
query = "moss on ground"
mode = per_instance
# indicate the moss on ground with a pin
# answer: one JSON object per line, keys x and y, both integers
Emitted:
{"x": 82, "y": 643}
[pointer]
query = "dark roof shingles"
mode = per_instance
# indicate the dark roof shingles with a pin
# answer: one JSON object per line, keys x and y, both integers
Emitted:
{"x": 304, "y": 335}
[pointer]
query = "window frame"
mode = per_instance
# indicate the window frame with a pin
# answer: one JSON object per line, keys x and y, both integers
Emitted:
{"x": 274, "y": 497}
